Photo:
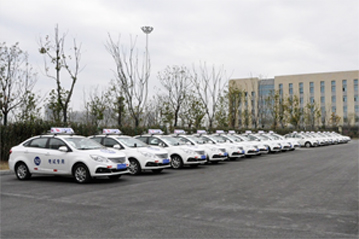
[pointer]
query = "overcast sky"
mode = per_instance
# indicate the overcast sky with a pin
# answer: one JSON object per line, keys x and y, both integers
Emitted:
{"x": 247, "y": 37}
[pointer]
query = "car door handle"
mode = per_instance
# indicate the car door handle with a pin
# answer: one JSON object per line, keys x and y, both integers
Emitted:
{"x": 47, "y": 154}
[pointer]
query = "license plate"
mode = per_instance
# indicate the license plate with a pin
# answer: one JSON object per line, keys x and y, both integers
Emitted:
{"x": 203, "y": 157}
{"x": 166, "y": 161}
{"x": 225, "y": 154}
{"x": 121, "y": 166}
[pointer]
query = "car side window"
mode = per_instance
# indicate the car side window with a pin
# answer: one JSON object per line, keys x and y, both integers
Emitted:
{"x": 38, "y": 143}
{"x": 109, "y": 142}
{"x": 56, "y": 143}
{"x": 154, "y": 141}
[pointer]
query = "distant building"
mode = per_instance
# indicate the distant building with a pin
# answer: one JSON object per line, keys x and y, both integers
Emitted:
{"x": 336, "y": 93}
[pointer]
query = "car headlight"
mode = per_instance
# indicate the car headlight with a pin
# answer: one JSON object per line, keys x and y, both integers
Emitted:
{"x": 147, "y": 154}
{"x": 188, "y": 151}
{"x": 100, "y": 159}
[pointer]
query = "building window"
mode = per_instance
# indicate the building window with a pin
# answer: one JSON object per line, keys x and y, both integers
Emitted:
{"x": 301, "y": 100}
{"x": 355, "y": 85}
{"x": 333, "y": 86}
{"x": 345, "y": 110}
{"x": 322, "y": 89}
{"x": 345, "y": 98}
{"x": 253, "y": 94}
{"x": 281, "y": 89}
{"x": 291, "y": 88}
{"x": 312, "y": 100}
{"x": 322, "y": 100}
{"x": 345, "y": 88}
{"x": 311, "y": 87}
{"x": 355, "y": 98}
{"x": 334, "y": 109}
{"x": 357, "y": 109}
{"x": 334, "y": 99}
{"x": 301, "y": 88}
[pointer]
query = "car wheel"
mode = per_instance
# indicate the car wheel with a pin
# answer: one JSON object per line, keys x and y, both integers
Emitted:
{"x": 81, "y": 173}
{"x": 114, "y": 177}
{"x": 135, "y": 167}
{"x": 157, "y": 171}
{"x": 176, "y": 162}
{"x": 307, "y": 144}
{"x": 22, "y": 171}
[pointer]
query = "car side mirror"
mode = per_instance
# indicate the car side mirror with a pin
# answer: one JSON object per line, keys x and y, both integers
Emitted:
{"x": 117, "y": 146}
{"x": 63, "y": 149}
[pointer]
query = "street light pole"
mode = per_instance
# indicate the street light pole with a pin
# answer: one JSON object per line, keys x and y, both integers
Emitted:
{"x": 147, "y": 30}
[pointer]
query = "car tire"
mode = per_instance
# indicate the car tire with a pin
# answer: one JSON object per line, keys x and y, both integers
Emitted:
{"x": 157, "y": 171}
{"x": 135, "y": 167}
{"x": 308, "y": 144}
{"x": 176, "y": 162}
{"x": 114, "y": 177}
{"x": 22, "y": 171}
{"x": 81, "y": 173}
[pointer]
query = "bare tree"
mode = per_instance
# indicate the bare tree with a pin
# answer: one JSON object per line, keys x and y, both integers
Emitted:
{"x": 16, "y": 79}
{"x": 54, "y": 49}
{"x": 131, "y": 78}
{"x": 176, "y": 81}
{"x": 209, "y": 85}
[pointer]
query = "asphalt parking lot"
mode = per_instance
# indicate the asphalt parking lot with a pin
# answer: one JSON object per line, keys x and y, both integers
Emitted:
{"x": 308, "y": 193}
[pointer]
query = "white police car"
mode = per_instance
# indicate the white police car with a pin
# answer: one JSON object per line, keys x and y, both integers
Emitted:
{"x": 140, "y": 155}
{"x": 273, "y": 146}
{"x": 63, "y": 153}
{"x": 181, "y": 154}
{"x": 234, "y": 151}
{"x": 249, "y": 148}
{"x": 214, "y": 153}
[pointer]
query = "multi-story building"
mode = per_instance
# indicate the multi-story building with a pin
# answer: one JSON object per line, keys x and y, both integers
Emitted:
{"x": 333, "y": 93}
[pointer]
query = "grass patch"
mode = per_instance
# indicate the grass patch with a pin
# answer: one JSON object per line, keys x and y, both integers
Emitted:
{"x": 4, "y": 165}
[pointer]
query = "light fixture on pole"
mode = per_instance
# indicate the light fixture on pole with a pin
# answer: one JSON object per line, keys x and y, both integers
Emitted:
{"x": 147, "y": 30}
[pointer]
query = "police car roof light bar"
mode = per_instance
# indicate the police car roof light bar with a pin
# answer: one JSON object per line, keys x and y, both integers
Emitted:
{"x": 111, "y": 131}
{"x": 179, "y": 131}
{"x": 155, "y": 131}
{"x": 56, "y": 130}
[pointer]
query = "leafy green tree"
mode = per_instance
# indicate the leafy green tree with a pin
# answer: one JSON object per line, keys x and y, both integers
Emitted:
{"x": 16, "y": 79}
{"x": 273, "y": 102}
{"x": 293, "y": 110}
{"x": 29, "y": 110}
{"x": 235, "y": 96}
{"x": 176, "y": 82}
{"x": 54, "y": 50}
{"x": 193, "y": 111}
{"x": 312, "y": 115}
{"x": 222, "y": 115}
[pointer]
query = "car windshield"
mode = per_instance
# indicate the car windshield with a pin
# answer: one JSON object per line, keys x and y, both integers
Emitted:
{"x": 131, "y": 142}
{"x": 196, "y": 139}
{"x": 244, "y": 137}
{"x": 278, "y": 136}
{"x": 83, "y": 143}
{"x": 263, "y": 137}
{"x": 217, "y": 138}
{"x": 172, "y": 140}
{"x": 272, "y": 136}
{"x": 231, "y": 137}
